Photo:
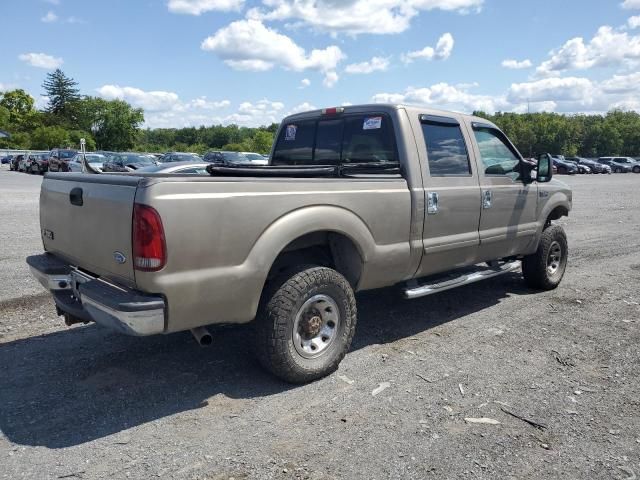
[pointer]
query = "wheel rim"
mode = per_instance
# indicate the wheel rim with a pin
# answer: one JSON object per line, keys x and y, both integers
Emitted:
{"x": 554, "y": 258}
{"x": 316, "y": 326}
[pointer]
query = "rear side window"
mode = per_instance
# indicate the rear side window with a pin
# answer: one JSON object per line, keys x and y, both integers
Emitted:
{"x": 446, "y": 149}
{"x": 350, "y": 139}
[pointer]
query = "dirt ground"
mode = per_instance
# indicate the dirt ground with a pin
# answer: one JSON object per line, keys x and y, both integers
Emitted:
{"x": 555, "y": 373}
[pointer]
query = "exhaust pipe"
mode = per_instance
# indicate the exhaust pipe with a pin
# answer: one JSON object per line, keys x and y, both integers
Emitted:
{"x": 202, "y": 336}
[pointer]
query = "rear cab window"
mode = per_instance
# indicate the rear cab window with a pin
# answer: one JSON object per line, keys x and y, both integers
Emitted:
{"x": 354, "y": 138}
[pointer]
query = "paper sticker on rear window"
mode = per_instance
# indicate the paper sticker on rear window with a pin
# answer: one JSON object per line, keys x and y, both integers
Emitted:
{"x": 290, "y": 133}
{"x": 372, "y": 123}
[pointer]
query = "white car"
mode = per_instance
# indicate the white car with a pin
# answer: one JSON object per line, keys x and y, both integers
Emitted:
{"x": 95, "y": 160}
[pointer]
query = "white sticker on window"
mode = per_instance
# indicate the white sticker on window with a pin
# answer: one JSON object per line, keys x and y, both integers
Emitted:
{"x": 290, "y": 133}
{"x": 372, "y": 123}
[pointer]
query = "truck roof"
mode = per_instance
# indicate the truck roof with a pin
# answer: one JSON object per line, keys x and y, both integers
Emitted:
{"x": 387, "y": 107}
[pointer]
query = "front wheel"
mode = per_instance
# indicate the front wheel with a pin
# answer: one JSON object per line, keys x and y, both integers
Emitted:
{"x": 636, "y": 169}
{"x": 544, "y": 269}
{"x": 305, "y": 324}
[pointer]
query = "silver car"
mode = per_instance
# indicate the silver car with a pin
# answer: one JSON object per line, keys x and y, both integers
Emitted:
{"x": 95, "y": 160}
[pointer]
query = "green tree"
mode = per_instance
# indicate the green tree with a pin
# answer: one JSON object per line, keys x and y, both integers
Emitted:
{"x": 115, "y": 124}
{"x": 46, "y": 138}
{"x": 20, "y": 106}
{"x": 63, "y": 95}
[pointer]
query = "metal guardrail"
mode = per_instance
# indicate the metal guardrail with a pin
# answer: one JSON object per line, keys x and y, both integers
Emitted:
{"x": 8, "y": 151}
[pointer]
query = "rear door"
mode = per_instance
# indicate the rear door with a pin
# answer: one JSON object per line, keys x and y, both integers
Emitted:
{"x": 87, "y": 222}
{"x": 452, "y": 196}
{"x": 508, "y": 222}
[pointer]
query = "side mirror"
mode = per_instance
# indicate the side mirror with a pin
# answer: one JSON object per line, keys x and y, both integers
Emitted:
{"x": 545, "y": 168}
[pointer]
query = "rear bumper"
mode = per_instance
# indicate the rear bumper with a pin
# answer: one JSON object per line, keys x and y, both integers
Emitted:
{"x": 92, "y": 299}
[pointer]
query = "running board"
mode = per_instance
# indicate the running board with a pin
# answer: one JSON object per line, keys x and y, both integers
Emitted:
{"x": 460, "y": 280}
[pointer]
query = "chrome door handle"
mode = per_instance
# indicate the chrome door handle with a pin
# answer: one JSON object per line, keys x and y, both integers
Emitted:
{"x": 432, "y": 202}
{"x": 486, "y": 199}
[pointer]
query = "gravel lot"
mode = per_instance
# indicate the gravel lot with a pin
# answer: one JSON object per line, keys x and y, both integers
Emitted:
{"x": 83, "y": 402}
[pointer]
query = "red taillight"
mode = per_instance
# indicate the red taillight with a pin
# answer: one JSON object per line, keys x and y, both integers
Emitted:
{"x": 149, "y": 246}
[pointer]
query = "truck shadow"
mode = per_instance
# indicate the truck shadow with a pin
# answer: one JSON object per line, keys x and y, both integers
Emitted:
{"x": 70, "y": 387}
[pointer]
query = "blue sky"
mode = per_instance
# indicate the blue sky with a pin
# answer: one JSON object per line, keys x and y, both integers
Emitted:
{"x": 192, "y": 62}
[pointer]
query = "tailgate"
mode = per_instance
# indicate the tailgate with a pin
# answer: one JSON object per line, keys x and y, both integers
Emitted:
{"x": 86, "y": 220}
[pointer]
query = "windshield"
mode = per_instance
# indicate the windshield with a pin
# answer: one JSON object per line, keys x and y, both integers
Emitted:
{"x": 132, "y": 158}
{"x": 235, "y": 157}
{"x": 624, "y": 160}
{"x": 67, "y": 153}
{"x": 96, "y": 158}
{"x": 254, "y": 156}
{"x": 184, "y": 157}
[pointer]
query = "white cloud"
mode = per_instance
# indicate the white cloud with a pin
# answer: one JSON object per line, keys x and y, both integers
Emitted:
{"x": 330, "y": 79}
{"x": 249, "y": 45}
{"x": 305, "y": 82}
{"x": 357, "y": 16}
{"x": 303, "y": 107}
{"x": 560, "y": 94}
{"x": 443, "y": 95}
{"x": 163, "y": 109}
{"x": 50, "y": 17}
{"x": 634, "y": 22}
{"x": 53, "y": 2}
{"x": 607, "y": 48}
{"x": 631, "y": 4}
{"x": 41, "y": 60}
{"x": 198, "y": 7}
{"x": 517, "y": 65}
{"x": 442, "y": 51}
{"x": 376, "y": 64}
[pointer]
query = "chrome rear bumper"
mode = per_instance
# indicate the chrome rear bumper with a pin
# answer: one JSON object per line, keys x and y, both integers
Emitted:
{"x": 92, "y": 299}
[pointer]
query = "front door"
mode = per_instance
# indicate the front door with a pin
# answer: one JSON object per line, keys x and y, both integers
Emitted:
{"x": 452, "y": 196}
{"x": 509, "y": 205}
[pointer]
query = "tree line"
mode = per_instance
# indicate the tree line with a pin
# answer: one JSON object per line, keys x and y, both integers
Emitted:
{"x": 616, "y": 133}
{"x": 108, "y": 124}
{"x": 116, "y": 125}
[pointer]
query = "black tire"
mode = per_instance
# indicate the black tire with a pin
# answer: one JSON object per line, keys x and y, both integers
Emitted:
{"x": 636, "y": 169}
{"x": 618, "y": 170}
{"x": 537, "y": 268}
{"x": 562, "y": 170}
{"x": 286, "y": 304}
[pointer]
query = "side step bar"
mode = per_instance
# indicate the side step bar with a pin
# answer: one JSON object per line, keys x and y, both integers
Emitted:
{"x": 463, "y": 279}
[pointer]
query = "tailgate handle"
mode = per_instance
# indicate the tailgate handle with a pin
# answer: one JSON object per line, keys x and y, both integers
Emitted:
{"x": 75, "y": 196}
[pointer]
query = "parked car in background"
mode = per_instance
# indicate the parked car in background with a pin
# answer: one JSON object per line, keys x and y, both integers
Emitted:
{"x": 581, "y": 167}
{"x": 95, "y": 160}
{"x": 256, "y": 158}
{"x": 232, "y": 158}
{"x": 15, "y": 161}
{"x": 22, "y": 163}
{"x": 38, "y": 163}
{"x": 6, "y": 160}
{"x": 128, "y": 162}
{"x": 59, "y": 159}
{"x": 185, "y": 168}
{"x": 616, "y": 167}
{"x": 631, "y": 162}
{"x": 564, "y": 167}
{"x": 592, "y": 164}
{"x": 171, "y": 157}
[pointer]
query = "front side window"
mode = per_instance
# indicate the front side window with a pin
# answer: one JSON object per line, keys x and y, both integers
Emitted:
{"x": 497, "y": 156}
{"x": 446, "y": 149}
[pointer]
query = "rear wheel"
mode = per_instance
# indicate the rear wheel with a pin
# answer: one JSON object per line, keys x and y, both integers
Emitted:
{"x": 305, "y": 324}
{"x": 636, "y": 169}
{"x": 617, "y": 170}
{"x": 544, "y": 269}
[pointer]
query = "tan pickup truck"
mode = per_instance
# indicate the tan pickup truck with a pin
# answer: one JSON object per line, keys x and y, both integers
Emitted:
{"x": 354, "y": 198}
